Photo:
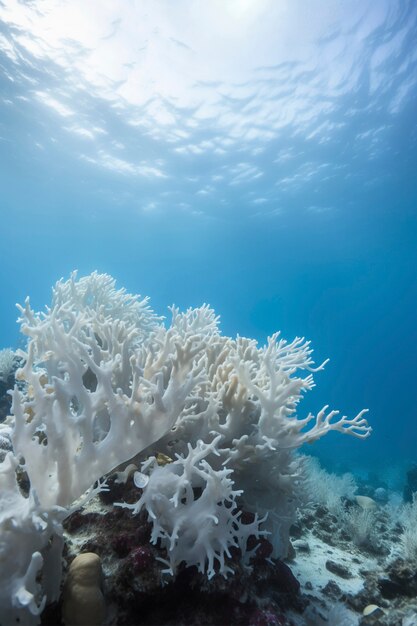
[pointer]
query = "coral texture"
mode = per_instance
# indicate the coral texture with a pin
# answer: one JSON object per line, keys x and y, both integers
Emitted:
{"x": 7, "y": 363}
{"x": 103, "y": 382}
{"x": 194, "y": 511}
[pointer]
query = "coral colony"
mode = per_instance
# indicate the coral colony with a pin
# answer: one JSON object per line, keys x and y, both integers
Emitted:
{"x": 105, "y": 386}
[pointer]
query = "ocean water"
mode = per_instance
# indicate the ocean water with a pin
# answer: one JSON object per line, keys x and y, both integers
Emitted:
{"x": 255, "y": 155}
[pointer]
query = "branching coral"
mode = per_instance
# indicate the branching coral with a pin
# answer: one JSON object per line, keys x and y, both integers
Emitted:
{"x": 194, "y": 510}
{"x": 105, "y": 381}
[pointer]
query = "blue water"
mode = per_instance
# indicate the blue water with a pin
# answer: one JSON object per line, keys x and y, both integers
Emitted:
{"x": 255, "y": 155}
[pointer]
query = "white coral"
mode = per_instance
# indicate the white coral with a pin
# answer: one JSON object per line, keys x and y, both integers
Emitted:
{"x": 7, "y": 363}
{"x": 250, "y": 396}
{"x": 106, "y": 381}
{"x": 194, "y": 511}
{"x": 30, "y": 539}
{"x": 97, "y": 292}
{"x": 327, "y": 489}
{"x": 95, "y": 396}
{"x": 408, "y": 519}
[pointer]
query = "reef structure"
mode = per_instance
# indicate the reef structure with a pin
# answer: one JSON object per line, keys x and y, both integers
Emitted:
{"x": 105, "y": 383}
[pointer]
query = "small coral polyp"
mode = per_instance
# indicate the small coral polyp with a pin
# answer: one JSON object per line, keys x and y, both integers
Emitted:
{"x": 106, "y": 381}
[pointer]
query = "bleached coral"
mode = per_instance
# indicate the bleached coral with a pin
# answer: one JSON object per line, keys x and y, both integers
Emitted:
{"x": 361, "y": 525}
{"x": 97, "y": 292}
{"x": 327, "y": 489}
{"x": 408, "y": 519}
{"x": 96, "y": 395}
{"x": 193, "y": 509}
{"x": 30, "y": 541}
{"x": 7, "y": 363}
{"x": 105, "y": 381}
{"x": 250, "y": 396}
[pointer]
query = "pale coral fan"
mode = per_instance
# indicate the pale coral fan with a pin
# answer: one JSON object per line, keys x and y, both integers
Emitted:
{"x": 104, "y": 381}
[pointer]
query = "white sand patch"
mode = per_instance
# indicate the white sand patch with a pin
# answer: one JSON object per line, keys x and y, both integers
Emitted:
{"x": 310, "y": 567}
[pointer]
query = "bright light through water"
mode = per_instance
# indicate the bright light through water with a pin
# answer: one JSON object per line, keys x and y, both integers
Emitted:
{"x": 226, "y": 79}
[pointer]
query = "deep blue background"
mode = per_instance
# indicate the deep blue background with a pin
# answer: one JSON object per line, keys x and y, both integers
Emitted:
{"x": 336, "y": 262}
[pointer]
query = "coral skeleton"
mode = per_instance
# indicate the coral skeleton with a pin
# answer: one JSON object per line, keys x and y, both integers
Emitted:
{"x": 105, "y": 382}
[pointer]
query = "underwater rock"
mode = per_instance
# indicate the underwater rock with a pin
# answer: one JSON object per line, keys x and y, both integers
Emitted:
{"x": 404, "y": 575}
{"x": 141, "y": 559}
{"x": 338, "y": 569}
{"x": 366, "y": 503}
{"x": 372, "y": 610}
{"x": 83, "y": 601}
{"x": 78, "y": 519}
{"x": 264, "y": 549}
{"x": 389, "y": 588}
{"x": 302, "y": 545}
{"x": 266, "y": 617}
{"x": 286, "y": 581}
{"x": 332, "y": 590}
{"x": 381, "y": 495}
{"x": 291, "y": 553}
